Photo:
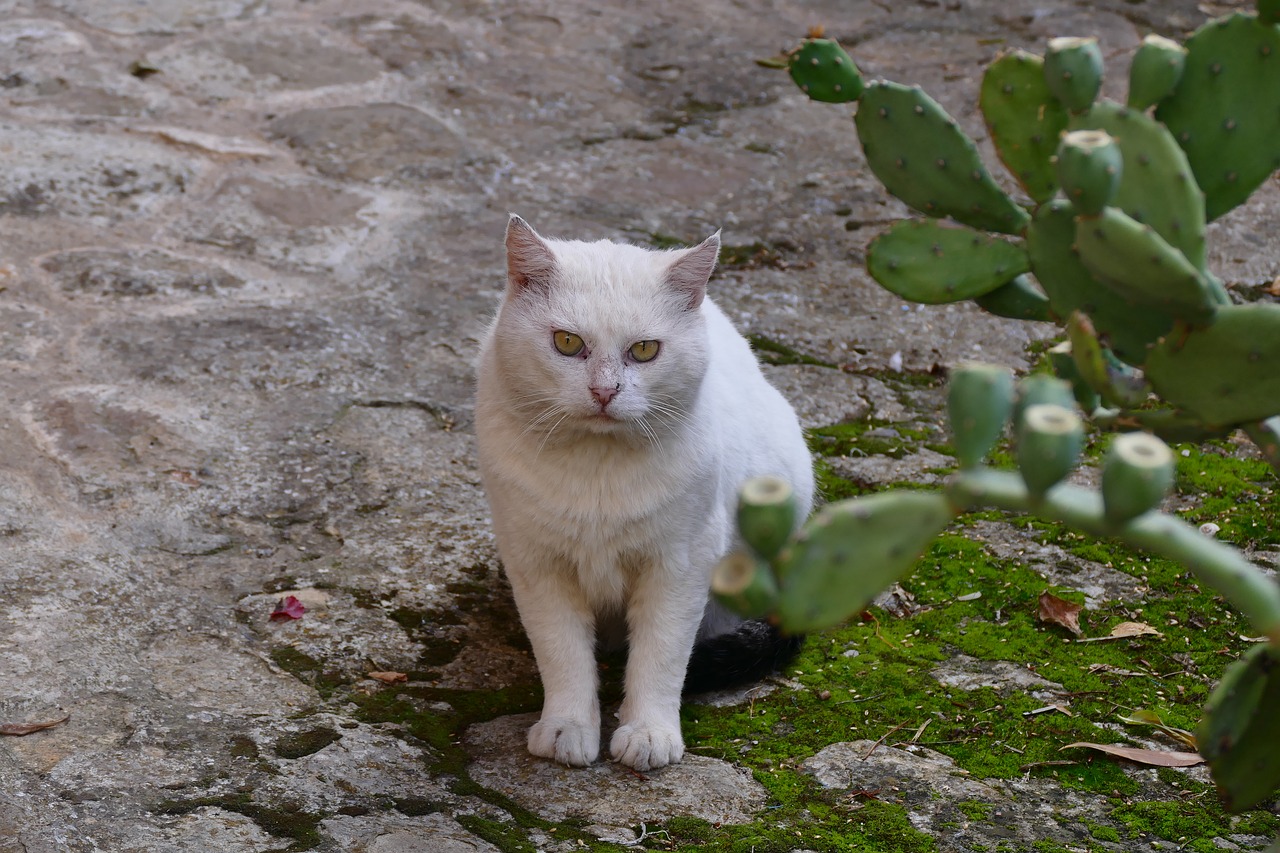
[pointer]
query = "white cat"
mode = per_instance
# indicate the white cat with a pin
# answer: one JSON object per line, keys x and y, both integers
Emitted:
{"x": 617, "y": 413}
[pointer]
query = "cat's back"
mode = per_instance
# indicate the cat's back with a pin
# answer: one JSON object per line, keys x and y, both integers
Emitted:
{"x": 757, "y": 426}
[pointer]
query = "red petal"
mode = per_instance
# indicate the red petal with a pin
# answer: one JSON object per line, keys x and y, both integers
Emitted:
{"x": 287, "y": 608}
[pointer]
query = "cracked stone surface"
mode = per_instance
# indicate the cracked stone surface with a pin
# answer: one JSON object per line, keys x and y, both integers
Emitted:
{"x": 248, "y": 249}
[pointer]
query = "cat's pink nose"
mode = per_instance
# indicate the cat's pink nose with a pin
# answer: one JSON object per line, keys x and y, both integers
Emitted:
{"x": 604, "y": 395}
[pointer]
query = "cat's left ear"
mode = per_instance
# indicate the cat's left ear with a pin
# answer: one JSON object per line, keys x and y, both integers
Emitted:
{"x": 689, "y": 272}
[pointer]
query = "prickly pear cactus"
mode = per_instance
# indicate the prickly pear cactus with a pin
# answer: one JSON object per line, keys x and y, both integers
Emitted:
{"x": 1089, "y": 164}
{"x": 1073, "y": 71}
{"x": 1222, "y": 110}
{"x": 933, "y": 262}
{"x": 850, "y": 550}
{"x": 1130, "y": 329}
{"x": 1240, "y": 733}
{"x": 1155, "y": 71}
{"x": 1227, "y": 373}
{"x": 923, "y": 157}
{"x": 824, "y": 72}
{"x": 1138, "y": 264}
{"x": 1024, "y": 120}
{"x": 1119, "y": 240}
{"x": 1156, "y": 185}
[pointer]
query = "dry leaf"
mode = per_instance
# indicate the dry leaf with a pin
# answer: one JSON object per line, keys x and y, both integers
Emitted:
{"x": 20, "y": 729}
{"x": 389, "y": 677}
{"x": 1144, "y": 717}
{"x": 1060, "y": 612}
{"x": 287, "y": 608}
{"x": 1154, "y": 757}
{"x": 1123, "y": 631}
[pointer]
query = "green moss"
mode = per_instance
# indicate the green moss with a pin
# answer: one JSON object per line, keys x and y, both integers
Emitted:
{"x": 1193, "y": 823}
{"x": 975, "y": 810}
{"x": 770, "y": 351}
{"x": 308, "y": 670}
{"x": 299, "y": 744}
{"x": 302, "y": 827}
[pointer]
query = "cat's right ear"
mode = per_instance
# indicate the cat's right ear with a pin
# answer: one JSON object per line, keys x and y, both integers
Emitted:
{"x": 530, "y": 261}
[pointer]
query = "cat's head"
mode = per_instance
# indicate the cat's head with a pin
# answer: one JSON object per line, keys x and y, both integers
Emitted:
{"x": 602, "y": 337}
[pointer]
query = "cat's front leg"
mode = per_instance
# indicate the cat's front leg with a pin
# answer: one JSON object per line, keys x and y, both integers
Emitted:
{"x": 662, "y": 617}
{"x": 561, "y": 630}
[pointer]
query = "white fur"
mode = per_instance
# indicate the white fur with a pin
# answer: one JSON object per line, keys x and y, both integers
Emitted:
{"x": 597, "y": 517}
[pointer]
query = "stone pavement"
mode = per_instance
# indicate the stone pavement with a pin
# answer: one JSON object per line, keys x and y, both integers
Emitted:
{"x": 246, "y": 249}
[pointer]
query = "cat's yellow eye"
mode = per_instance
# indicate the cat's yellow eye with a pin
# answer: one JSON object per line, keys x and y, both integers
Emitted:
{"x": 567, "y": 343}
{"x": 644, "y": 350}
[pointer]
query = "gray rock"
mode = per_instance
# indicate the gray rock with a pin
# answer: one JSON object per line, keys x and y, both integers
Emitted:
{"x": 605, "y": 793}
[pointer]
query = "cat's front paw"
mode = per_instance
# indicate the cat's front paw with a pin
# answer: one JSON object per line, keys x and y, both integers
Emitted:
{"x": 566, "y": 741}
{"x": 647, "y": 746}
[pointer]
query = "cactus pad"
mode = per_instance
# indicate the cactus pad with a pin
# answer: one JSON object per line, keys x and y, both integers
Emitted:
{"x": 850, "y": 551}
{"x": 1156, "y": 187}
{"x": 1128, "y": 330}
{"x": 824, "y": 72}
{"x": 1089, "y": 164}
{"x": 766, "y": 514}
{"x": 1142, "y": 267}
{"x": 1020, "y": 299}
{"x": 1240, "y": 733}
{"x": 1136, "y": 475}
{"x": 979, "y": 400}
{"x": 1073, "y": 71}
{"x": 1024, "y": 120}
{"x": 1050, "y": 438}
{"x": 1225, "y": 374}
{"x": 1156, "y": 69}
{"x": 923, "y": 157}
{"x": 1223, "y": 109}
{"x": 933, "y": 262}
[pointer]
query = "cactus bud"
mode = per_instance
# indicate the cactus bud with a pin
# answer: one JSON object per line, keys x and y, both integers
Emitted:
{"x": 1042, "y": 388}
{"x": 979, "y": 401}
{"x": 745, "y": 585}
{"x": 1155, "y": 71}
{"x": 1136, "y": 475}
{"x": 1050, "y": 438}
{"x": 1089, "y": 164}
{"x": 824, "y": 72}
{"x": 766, "y": 514}
{"x": 1073, "y": 71}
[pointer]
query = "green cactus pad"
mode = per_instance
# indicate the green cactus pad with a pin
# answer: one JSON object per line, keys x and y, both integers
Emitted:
{"x": 1086, "y": 350}
{"x": 1063, "y": 362}
{"x": 766, "y": 514}
{"x": 850, "y": 551}
{"x": 1073, "y": 71}
{"x": 1156, "y": 186}
{"x": 1020, "y": 299}
{"x": 1050, "y": 438}
{"x": 1127, "y": 329}
{"x": 1240, "y": 734}
{"x": 1224, "y": 374}
{"x": 1156, "y": 69}
{"x": 1136, "y": 475}
{"x": 1089, "y": 164}
{"x": 935, "y": 262}
{"x": 923, "y": 157}
{"x": 979, "y": 400}
{"x": 1223, "y": 109}
{"x": 1269, "y": 11}
{"x": 1040, "y": 388}
{"x": 824, "y": 72}
{"x": 1142, "y": 267}
{"x": 744, "y": 584}
{"x": 1024, "y": 120}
